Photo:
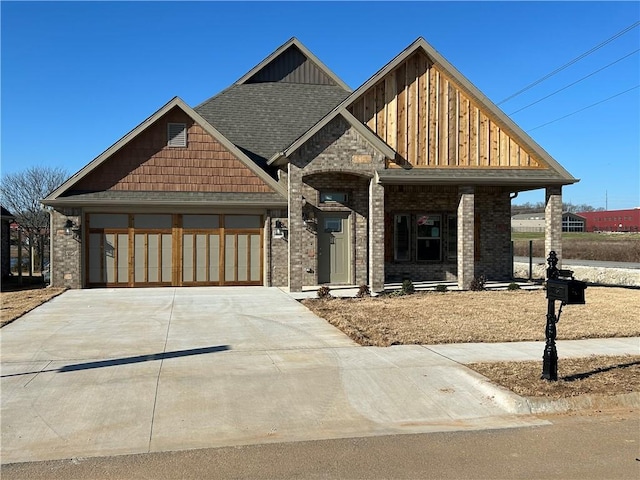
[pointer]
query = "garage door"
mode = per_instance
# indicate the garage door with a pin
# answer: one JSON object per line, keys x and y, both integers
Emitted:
{"x": 174, "y": 250}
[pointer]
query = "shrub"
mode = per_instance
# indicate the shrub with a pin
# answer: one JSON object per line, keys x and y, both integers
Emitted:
{"x": 324, "y": 292}
{"x": 477, "y": 284}
{"x": 513, "y": 286}
{"x": 441, "y": 288}
{"x": 363, "y": 291}
{"x": 407, "y": 287}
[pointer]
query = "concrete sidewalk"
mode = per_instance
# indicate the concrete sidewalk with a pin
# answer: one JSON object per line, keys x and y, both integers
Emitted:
{"x": 107, "y": 372}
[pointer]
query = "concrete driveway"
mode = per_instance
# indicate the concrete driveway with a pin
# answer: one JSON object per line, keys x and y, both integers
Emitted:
{"x": 106, "y": 372}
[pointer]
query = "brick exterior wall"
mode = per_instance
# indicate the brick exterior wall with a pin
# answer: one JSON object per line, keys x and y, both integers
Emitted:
{"x": 337, "y": 158}
{"x": 553, "y": 222}
{"x": 490, "y": 231}
{"x": 277, "y": 253}
{"x": 146, "y": 163}
{"x": 466, "y": 234}
{"x": 66, "y": 254}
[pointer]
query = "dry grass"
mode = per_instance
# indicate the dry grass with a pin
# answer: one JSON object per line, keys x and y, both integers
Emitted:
{"x": 17, "y": 303}
{"x": 587, "y": 246}
{"x": 488, "y": 316}
{"x": 502, "y": 316}
{"x": 576, "y": 376}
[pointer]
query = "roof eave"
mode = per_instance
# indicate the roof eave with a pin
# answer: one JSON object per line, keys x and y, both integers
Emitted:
{"x": 69, "y": 202}
{"x": 511, "y": 182}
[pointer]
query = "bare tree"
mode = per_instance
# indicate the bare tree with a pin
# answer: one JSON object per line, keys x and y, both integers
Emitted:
{"x": 21, "y": 193}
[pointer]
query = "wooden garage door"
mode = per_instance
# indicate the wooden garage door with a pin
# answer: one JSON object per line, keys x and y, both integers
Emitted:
{"x": 163, "y": 250}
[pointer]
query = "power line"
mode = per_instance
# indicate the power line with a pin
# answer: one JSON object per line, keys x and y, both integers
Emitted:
{"x": 578, "y": 58}
{"x": 577, "y": 81}
{"x": 583, "y": 109}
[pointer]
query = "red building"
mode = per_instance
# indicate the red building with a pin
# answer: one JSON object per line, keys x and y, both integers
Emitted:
{"x": 613, "y": 220}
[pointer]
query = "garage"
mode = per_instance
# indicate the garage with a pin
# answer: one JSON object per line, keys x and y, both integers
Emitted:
{"x": 150, "y": 250}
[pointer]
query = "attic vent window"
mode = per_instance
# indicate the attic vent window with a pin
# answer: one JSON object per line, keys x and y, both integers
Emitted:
{"x": 177, "y": 133}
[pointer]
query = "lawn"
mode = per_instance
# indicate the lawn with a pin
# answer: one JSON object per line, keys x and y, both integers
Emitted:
{"x": 502, "y": 316}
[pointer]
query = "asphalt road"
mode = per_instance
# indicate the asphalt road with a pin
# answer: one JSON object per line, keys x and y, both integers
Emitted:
{"x": 591, "y": 445}
{"x": 584, "y": 263}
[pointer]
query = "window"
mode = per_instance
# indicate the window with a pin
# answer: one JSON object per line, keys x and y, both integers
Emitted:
{"x": 452, "y": 237}
{"x": 401, "y": 236}
{"x": 332, "y": 225}
{"x": 428, "y": 237}
{"x": 177, "y": 134}
{"x": 335, "y": 197}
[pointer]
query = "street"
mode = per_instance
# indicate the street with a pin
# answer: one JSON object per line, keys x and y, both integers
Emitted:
{"x": 587, "y": 445}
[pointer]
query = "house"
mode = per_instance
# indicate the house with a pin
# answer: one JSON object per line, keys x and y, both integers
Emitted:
{"x": 627, "y": 220}
{"x": 535, "y": 222}
{"x": 290, "y": 178}
{"x": 6, "y": 217}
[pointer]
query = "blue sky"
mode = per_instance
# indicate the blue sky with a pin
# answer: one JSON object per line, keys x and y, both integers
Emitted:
{"x": 77, "y": 76}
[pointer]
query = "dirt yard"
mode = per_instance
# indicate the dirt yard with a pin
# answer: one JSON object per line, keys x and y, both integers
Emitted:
{"x": 502, "y": 316}
{"x": 17, "y": 303}
{"x": 487, "y": 316}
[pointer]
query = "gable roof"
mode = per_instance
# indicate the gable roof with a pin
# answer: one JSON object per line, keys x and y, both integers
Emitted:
{"x": 55, "y": 196}
{"x": 275, "y": 102}
{"x": 559, "y": 173}
{"x": 263, "y": 118}
{"x": 293, "y": 44}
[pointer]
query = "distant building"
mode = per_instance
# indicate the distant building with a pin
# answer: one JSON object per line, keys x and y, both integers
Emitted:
{"x": 613, "y": 220}
{"x": 534, "y": 222}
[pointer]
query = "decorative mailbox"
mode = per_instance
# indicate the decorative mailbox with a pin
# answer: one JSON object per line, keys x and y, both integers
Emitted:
{"x": 569, "y": 292}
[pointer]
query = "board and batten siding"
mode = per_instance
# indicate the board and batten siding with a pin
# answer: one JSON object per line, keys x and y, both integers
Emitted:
{"x": 147, "y": 163}
{"x": 431, "y": 122}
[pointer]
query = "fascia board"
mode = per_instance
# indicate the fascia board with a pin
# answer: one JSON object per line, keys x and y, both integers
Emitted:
{"x": 67, "y": 202}
{"x": 96, "y": 162}
{"x": 305, "y": 51}
{"x": 497, "y": 181}
{"x": 366, "y": 132}
{"x": 175, "y": 102}
{"x": 250, "y": 164}
{"x": 471, "y": 89}
{"x": 475, "y": 93}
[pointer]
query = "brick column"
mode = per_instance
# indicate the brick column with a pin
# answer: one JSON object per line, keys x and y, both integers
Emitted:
{"x": 296, "y": 227}
{"x": 376, "y": 236}
{"x": 66, "y": 253}
{"x": 553, "y": 222}
{"x": 466, "y": 214}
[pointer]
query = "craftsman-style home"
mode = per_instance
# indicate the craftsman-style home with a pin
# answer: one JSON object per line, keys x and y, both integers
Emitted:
{"x": 289, "y": 178}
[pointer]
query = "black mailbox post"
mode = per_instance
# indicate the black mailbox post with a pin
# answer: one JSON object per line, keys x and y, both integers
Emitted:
{"x": 568, "y": 292}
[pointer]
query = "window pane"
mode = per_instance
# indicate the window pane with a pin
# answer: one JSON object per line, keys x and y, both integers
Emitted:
{"x": 200, "y": 221}
{"x": 428, "y": 249}
{"x": 401, "y": 238}
{"x": 340, "y": 197}
{"x": 108, "y": 220}
{"x": 152, "y": 221}
{"x": 242, "y": 221}
{"x": 428, "y": 226}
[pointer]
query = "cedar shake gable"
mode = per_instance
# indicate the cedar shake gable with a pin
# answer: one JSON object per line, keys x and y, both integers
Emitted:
{"x": 142, "y": 161}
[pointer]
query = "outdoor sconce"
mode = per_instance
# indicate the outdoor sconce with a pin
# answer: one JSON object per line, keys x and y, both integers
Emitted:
{"x": 71, "y": 228}
{"x": 280, "y": 230}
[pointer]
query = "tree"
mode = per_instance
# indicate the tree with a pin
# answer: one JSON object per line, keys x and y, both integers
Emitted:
{"x": 21, "y": 193}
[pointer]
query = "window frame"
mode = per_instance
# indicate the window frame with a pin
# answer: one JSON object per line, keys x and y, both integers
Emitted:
{"x": 395, "y": 237}
{"x": 420, "y": 237}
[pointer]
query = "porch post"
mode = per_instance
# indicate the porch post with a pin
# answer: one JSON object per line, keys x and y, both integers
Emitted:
{"x": 466, "y": 251}
{"x": 376, "y": 236}
{"x": 295, "y": 228}
{"x": 553, "y": 222}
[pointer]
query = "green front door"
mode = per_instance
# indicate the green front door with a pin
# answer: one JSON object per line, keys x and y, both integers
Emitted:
{"x": 334, "y": 248}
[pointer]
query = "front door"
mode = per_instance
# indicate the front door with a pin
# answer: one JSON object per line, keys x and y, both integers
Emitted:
{"x": 334, "y": 248}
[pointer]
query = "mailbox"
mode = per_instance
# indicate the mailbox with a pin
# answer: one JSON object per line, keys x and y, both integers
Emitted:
{"x": 569, "y": 292}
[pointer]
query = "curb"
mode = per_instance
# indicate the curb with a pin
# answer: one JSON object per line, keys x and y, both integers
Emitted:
{"x": 517, "y": 404}
{"x": 582, "y": 402}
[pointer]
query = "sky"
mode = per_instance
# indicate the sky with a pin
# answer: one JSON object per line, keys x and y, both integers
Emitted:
{"x": 77, "y": 76}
